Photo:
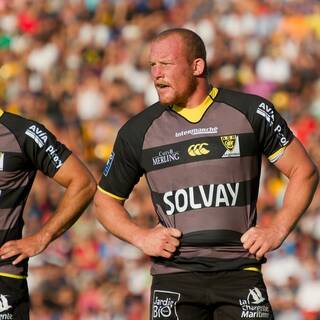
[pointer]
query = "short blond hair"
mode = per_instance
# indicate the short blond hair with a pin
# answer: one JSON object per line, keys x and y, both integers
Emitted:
{"x": 194, "y": 45}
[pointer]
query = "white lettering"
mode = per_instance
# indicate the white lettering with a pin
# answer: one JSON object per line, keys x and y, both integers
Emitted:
{"x": 55, "y": 158}
{"x": 192, "y": 200}
{"x": 207, "y": 201}
{"x": 181, "y": 199}
{"x": 222, "y": 196}
{"x": 165, "y": 156}
{"x": 265, "y": 111}
{"x": 233, "y": 193}
{"x": 51, "y": 150}
{"x": 6, "y": 316}
{"x": 197, "y": 131}
{"x": 184, "y": 205}
{"x": 164, "y": 306}
{"x": 283, "y": 139}
{"x": 39, "y": 136}
{"x": 1, "y": 160}
{"x": 168, "y": 202}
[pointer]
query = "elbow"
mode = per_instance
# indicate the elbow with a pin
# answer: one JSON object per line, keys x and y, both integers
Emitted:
{"x": 313, "y": 176}
{"x": 103, "y": 204}
{"x": 91, "y": 187}
{"x": 101, "y": 207}
{"x": 88, "y": 187}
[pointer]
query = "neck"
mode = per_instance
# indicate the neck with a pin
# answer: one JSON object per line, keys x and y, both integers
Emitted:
{"x": 200, "y": 93}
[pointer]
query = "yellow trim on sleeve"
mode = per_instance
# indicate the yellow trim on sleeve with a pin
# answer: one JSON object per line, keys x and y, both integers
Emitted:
{"x": 111, "y": 194}
{"x": 1, "y": 112}
{"x": 252, "y": 269}
{"x": 276, "y": 155}
{"x": 14, "y": 276}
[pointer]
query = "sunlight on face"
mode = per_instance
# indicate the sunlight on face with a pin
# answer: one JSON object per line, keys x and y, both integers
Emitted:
{"x": 171, "y": 71}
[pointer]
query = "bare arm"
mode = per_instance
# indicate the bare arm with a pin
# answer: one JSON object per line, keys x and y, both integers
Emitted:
{"x": 80, "y": 187}
{"x": 303, "y": 181}
{"x": 158, "y": 241}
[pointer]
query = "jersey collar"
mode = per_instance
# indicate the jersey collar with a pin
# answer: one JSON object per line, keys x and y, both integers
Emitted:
{"x": 196, "y": 113}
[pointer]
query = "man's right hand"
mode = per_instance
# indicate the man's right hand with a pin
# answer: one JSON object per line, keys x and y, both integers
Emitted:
{"x": 159, "y": 241}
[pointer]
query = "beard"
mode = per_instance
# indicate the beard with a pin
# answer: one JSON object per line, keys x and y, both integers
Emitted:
{"x": 172, "y": 96}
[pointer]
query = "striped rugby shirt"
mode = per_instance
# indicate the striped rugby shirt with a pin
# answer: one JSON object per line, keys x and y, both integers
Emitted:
{"x": 203, "y": 168}
{"x": 25, "y": 147}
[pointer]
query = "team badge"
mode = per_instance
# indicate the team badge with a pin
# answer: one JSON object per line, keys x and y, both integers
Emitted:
{"x": 231, "y": 143}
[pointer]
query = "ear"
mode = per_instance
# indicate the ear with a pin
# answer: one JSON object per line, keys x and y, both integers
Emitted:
{"x": 198, "y": 66}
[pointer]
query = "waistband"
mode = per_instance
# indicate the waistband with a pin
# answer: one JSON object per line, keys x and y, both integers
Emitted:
{"x": 14, "y": 276}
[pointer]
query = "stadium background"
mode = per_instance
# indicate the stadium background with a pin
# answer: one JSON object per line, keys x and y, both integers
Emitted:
{"x": 80, "y": 67}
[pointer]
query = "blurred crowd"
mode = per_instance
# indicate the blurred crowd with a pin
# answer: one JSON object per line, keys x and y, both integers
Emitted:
{"x": 81, "y": 68}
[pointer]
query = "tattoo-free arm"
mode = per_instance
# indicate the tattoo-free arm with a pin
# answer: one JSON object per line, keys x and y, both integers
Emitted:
{"x": 80, "y": 187}
{"x": 303, "y": 180}
{"x": 158, "y": 241}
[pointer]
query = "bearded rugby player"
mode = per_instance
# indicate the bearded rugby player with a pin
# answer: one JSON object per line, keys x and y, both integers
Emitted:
{"x": 200, "y": 149}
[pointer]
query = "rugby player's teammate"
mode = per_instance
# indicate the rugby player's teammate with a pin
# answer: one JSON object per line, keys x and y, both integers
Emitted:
{"x": 27, "y": 146}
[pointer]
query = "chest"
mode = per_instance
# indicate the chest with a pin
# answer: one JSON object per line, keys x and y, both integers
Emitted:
{"x": 221, "y": 134}
{"x": 11, "y": 155}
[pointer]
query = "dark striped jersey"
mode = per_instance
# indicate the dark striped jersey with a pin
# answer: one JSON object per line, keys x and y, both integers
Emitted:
{"x": 203, "y": 168}
{"x": 25, "y": 147}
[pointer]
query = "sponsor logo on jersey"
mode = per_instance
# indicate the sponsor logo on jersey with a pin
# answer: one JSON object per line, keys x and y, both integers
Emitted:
{"x": 253, "y": 306}
{"x": 202, "y": 196}
{"x": 231, "y": 143}
{"x": 53, "y": 155}
{"x": 198, "y": 149}
{"x": 267, "y": 112}
{"x": 165, "y": 157}
{"x": 108, "y": 164}
{"x": 1, "y": 160}
{"x": 39, "y": 136}
{"x": 164, "y": 305}
{"x": 5, "y": 306}
{"x": 279, "y": 131}
{"x": 196, "y": 131}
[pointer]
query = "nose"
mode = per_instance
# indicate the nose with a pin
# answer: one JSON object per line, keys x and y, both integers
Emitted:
{"x": 156, "y": 72}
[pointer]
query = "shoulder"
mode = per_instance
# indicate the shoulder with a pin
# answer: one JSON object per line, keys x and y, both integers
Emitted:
{"x": 14, "y": 121}
{"x": 19, "y": 123}
{"x": 240, "y": 100}
{"x": 255, "y": 108}
{"x": 26, "y": 130}
{"x": 19, "y": 126}
{"x": 139, "y": 124}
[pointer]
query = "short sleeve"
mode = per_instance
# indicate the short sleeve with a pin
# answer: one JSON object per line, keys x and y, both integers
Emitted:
{"x": 122, "y": 169}
{"x": 271, "y": 129}
{"x": 42, "y": 148}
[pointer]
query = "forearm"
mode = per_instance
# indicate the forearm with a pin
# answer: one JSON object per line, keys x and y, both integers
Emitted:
{"x": 157, "y": 241}
{"x": 76, "y": 198}
{"x": 114, "y": 217}
{"x": 74, "y": 201}
{"x": 297, "y": 198}
{"x": 303, "y": 180}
